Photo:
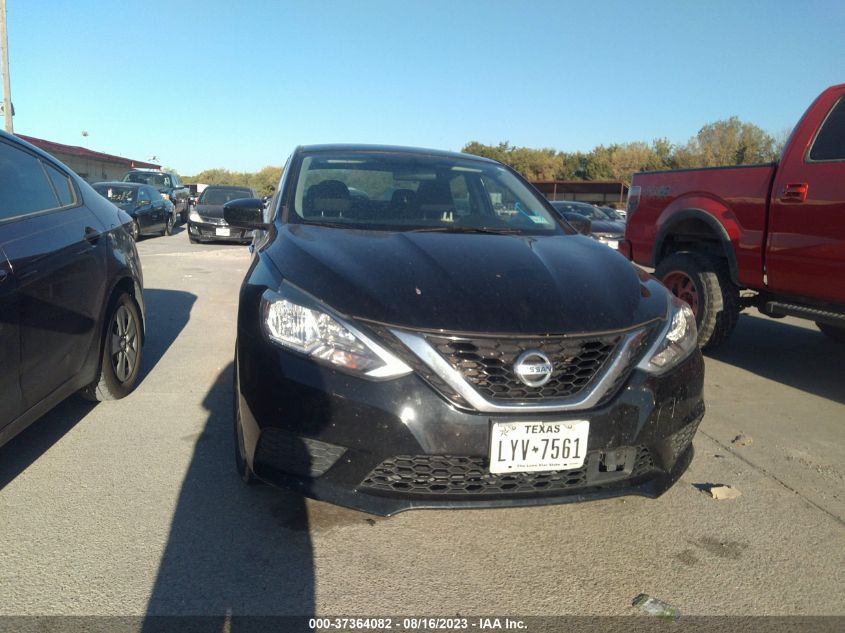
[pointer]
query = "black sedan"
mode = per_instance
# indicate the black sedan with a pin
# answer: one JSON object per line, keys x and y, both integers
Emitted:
{"x": 444, "y": 340}
{"x": 151, "y": 213}
{"x": 71, "y": 298}
{"x": 604, "y": 227}
{"x": 205, "y": 220}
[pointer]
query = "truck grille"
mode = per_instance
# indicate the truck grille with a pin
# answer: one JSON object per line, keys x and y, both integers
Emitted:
{"x": 487, "y": 363}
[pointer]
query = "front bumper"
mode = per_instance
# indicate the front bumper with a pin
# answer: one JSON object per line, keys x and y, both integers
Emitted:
{"x": 384, "y": 447}
{"x": 208, "y": 232}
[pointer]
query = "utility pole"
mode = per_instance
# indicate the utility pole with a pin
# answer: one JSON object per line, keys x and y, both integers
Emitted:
{"x": 4, "y": 69}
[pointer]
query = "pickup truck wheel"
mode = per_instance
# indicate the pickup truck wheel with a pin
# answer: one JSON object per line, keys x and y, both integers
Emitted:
{"x": 833, "y": 332}
{"x": 168, "y": 228}
{"x": 704, "y": 283}
{"x": 136, "y": 230}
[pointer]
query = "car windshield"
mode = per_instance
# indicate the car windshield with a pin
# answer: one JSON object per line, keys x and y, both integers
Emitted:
{"x": 397, "y": 191}
{"x": 587, "y": 210}
{"x": 156, "y": 180}
{"x": 222, "y": 196}
{"x": 117, "y": 193}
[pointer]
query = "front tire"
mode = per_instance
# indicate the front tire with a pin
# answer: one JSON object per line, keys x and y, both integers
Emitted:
{"x": 121, "y": 358}
{"x": 704, "y": 283}
{"x": 833, "y": 332}
{"x": 136, "y": 230}
{"x": 168, "y": 227}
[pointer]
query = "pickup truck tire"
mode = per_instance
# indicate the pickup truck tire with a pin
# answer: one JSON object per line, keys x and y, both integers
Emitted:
{"x": 703, "y": 282}
{"x": 832, "y": 332}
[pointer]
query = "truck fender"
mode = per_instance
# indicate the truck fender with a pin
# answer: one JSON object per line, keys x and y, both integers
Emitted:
{"x": 718, "y": 218}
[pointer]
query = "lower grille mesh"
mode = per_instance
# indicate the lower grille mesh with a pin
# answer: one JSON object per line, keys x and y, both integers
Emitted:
{"x": 436, "y": 475}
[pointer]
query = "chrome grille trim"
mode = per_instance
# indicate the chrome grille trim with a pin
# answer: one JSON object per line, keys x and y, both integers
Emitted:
{"x": 586, "y": 399}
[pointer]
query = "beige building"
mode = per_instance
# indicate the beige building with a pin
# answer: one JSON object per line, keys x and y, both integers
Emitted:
{"x": 90, "y": 165}
{"x": 601, "y": 192}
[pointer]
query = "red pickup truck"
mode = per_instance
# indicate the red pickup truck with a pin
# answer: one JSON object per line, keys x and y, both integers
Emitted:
{"x": 767, "y": 236}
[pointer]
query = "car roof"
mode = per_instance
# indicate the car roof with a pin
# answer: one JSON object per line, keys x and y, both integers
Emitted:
{"x": 392, "y": 149}
{"x": 120, "y": 183}
{"x": 576, "y": 203}
{"x": 247, "y": 187}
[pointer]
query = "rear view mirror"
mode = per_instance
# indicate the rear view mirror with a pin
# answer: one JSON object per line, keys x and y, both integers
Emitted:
{"x": 245, "y": 213}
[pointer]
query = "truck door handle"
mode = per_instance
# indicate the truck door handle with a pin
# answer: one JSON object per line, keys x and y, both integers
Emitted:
{"x": 794, "y": 192}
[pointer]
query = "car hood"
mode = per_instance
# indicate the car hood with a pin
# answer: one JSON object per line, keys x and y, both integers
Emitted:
{"x": 468, "y": 282}
{"x": 607, "y": 226}
{"x": 210, "y": 210}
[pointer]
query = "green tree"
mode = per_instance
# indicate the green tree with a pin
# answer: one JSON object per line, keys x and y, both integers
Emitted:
{"x": 728, "y": 142}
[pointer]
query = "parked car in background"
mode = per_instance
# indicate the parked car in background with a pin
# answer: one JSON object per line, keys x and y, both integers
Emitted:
{"x": 71, "y": 289}
{"x": 450, "y": 344}
{"x": 615, "y": 214}
{"x": 622, "y": 214}
{"x": 206, "y": 223}
{"x": 604, "y": 226}
{"x": 151, "y": 213}
{"x": 168, "y": 184}
{"x": 774, "y": 231}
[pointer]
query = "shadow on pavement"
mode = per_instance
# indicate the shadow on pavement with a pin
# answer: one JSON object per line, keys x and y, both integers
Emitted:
{"x": 791, "y": 355}
{"x": 168, "y": 311}
{"x": 233, "y": 550}
{"x": 26, "y": 448}
{"x": 167, "y": 314}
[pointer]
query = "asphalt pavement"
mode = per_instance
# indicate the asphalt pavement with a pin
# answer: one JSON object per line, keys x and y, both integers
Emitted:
{"x": 133, "y": 507}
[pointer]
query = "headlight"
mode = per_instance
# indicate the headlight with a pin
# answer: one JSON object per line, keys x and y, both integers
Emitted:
{"x": 298, "y": 322}
{"x": 677, "y": 340}
{"x": 193, "y": 216}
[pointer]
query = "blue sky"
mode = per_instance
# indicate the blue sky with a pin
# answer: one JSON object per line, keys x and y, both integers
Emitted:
{"x": 210, "y": 83}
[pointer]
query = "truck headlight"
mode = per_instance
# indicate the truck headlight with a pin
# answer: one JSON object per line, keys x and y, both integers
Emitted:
{"x": 193, "y": 216}
{"x": 677, "y": 340}
{"x": 293, "y": 319}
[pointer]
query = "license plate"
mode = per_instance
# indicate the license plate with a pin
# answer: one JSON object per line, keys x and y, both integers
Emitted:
{"x": 224, "y": 231}
{"x": 522, "y": 447}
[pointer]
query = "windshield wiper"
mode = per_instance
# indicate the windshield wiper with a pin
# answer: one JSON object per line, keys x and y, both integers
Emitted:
{"x": 465, "y": 229}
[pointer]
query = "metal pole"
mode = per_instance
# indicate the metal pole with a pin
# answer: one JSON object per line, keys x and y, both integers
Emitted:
{"x": 4, "y": 69}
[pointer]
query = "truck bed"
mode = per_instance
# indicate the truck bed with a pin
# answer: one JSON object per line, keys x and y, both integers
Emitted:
{"x": 737, "y": 196}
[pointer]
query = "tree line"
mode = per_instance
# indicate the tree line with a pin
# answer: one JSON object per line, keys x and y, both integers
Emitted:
{"x": 721, "y": 143}
{"x": 263, "y": 182}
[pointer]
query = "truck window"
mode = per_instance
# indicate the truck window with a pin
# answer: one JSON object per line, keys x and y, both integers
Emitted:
{"x": 830, "y": 141}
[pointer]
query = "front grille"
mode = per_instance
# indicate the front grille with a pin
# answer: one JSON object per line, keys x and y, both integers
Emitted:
{"x": 449, "y": 475}
{"x": 487, "y": 363}
{"x": 681, "y": 439}
{"x": 234, "y": 234}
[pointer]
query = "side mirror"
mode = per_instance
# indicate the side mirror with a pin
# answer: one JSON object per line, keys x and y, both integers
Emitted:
{"x": 245, "y": 213}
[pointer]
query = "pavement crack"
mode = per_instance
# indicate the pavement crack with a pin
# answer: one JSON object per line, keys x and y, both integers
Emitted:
{"x": 766, "y": 473}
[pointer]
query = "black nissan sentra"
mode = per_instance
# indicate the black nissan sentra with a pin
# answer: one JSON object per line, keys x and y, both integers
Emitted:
{"x": 418, "y": 329}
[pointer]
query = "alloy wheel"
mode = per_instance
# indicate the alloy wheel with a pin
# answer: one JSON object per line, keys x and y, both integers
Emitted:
{"x": 682, "y": 286}
{"x": 123, "y": 343}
